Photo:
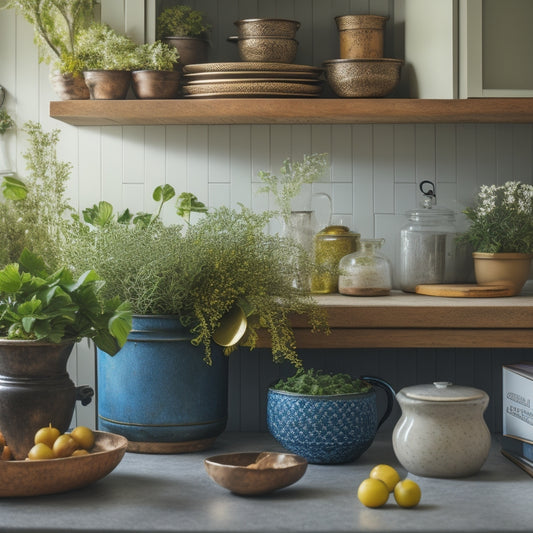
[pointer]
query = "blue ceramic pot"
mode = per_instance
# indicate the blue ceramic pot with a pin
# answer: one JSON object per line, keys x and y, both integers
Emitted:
{"x": 327, "y": 429}
{"x": 159, "y": 393}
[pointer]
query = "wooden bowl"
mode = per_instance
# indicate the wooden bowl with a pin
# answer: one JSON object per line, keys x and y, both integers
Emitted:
{"x": 242, "y": 473}
{"x": 32, "y": 478}
{"x": 267, "y": 27}
{"x": 363, "y": 78}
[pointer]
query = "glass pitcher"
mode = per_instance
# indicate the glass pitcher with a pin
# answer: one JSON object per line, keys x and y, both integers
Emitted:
{"x": 301, "y": 226}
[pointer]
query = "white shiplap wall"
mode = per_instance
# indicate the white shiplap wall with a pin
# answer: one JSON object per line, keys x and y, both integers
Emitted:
{"x": 374, "y": 169}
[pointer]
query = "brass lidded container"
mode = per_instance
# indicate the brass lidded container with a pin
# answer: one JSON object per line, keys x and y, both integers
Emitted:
{"x": 330, "y": 245}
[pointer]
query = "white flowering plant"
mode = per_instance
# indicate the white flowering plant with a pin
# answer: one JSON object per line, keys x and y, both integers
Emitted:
{"x": 501, "y": 219}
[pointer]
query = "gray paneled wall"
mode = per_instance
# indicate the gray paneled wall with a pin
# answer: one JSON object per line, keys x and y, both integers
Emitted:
{"x": 373, "y": 176}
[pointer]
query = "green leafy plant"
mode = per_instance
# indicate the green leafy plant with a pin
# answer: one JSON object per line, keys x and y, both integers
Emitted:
{"x": 6, "y": 122}
{"x": 102, "y": 48}
{"x": 56, "y": 24}
{"x": 156, "y": 56}
{"x": 35, "y": 208}
{"x": 181, "y": 21}
{"x": 501, "y": 219}
{"x": 38, "y": 304}
{"x": 197, "y": 272}
{"x": 315, "y": 382}
{"x": 294, "y": 174}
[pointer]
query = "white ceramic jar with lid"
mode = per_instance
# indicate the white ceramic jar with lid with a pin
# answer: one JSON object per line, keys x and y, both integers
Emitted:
{"x": 442, "y": 432}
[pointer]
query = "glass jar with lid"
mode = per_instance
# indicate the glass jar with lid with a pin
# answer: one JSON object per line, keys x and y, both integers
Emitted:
{"x": 330, "y": 245}
{"x": 366, "y": 272}
{"x": 427, "y": 244}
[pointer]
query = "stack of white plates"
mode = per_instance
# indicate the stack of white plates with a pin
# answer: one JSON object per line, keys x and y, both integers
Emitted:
{"x": 251, "y": 79}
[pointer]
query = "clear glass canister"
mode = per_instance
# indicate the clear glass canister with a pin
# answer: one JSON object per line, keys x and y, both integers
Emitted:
{"x": 428, "y": 247}
{"x": 366, "y": 272}
{"x": 330, "y": 245}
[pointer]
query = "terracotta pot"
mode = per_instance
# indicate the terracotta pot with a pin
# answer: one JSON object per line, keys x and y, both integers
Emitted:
{"x": 192, "y": 50}
{"x": 35, "y": 390}
{"x": 361, "y": 36}
{"x": 69, "y": 87}
{"x": 156, "y": 84}
{"x": 108, "y": 84}
{"x": 507, "y": 269}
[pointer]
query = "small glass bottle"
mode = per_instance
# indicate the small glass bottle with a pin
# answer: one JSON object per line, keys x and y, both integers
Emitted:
{"x": 427, "y": 245}
{"x": 330, "y": 245}
{"x": 366, "y": 272}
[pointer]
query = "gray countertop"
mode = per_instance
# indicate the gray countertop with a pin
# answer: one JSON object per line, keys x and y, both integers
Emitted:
{"x": 172, "y": 493}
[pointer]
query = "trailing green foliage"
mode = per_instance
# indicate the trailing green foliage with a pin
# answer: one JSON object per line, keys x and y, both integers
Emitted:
{"x": 102, "y": 48}
{"x": 294, "y": 174}
{"x": 156, "y": 56}
{"x": 35, "y": 211}
{"x": 39, "y": 304}
{"x": 181, "y": 21}
{"x": 56, "y": 24}
{"x": 316, "y": 383}
{"x": 501, "y": 219}
{"x": 198, "y": 272}
{"x": 6, "y": 122}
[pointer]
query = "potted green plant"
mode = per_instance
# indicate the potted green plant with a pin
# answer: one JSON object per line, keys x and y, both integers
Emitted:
{"x": 501, "y": 234}
{"x": 186, "y": 29}
{"x": 218, "y": 280}
{"x": 154, "y": 74}
{"x": 108, "y": 58}
{"x": 42, "y": 314}
{"x": 57, "y": 24}
{"x": 326, "y": 418}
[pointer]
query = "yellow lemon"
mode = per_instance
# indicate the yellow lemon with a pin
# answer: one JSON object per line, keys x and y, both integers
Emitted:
{"x": 373, "y": 492}
{"x": 387, "y": 474}
{"x": 407, "y": 493}
{"x": 83, "y": 436}
{"x": 41, "y": 451}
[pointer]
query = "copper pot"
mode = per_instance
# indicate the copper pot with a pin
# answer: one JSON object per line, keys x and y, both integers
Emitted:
{"x": 108, "y": 84}
{"x": 156, "y": 84}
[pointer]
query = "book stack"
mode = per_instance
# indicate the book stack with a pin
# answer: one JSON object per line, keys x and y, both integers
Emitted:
{"x": 517, "y": 438}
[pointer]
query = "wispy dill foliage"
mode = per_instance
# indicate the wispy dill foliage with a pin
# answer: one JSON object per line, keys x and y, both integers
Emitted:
{"x": 199, "y": 273}
{"x": 35, "y": 221}
{"x": 501, "y": 219}
{"x": 294, "y": 174}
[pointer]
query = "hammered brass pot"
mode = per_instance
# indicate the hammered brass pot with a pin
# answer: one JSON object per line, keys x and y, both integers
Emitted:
{"x": 266, "y": 49}
{"x": 361, "y": 36}
{"x": 267, "y": 27}
{"x": 156, "y": 84}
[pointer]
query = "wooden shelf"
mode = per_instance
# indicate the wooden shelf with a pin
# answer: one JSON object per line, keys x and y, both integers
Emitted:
{"x": 291, "y": 111}
{"x": 414, "y": 321}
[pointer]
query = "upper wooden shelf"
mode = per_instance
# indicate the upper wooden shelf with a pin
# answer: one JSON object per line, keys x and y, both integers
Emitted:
{"x": 291, "y": 111}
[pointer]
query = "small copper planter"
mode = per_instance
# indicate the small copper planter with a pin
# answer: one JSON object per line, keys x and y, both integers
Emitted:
{"x": 156, "y": 84}
{"x": 108, "y": 84}
{"x": 361, "y": 36}
{"x": 69, "y": 87}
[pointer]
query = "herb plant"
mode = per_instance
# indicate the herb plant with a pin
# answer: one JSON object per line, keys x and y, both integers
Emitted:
{"x": 102, "y": 48}
{"x": 181, "y": 21}
{"x": 156, "y": 56}
{"x": 197, "y": 272}
{"x": 57, "y": 24}
{"x": 314, "y": 382}
{"x": 6, "y": 122}
{"x": 38, "y": 304}
{"x": 501, "y": 219}
{"x": 35, "y": 209}
{"x": 294, "y": 174}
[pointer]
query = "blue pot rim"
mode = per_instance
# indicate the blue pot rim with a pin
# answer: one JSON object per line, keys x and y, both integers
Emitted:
{"x": 351, "y": 396}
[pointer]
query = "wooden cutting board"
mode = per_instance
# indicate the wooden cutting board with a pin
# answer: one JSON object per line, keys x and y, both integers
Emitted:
{"x": 465, "y": 290}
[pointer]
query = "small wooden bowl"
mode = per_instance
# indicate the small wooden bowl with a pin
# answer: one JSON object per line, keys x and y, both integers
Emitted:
{"x": 363, "y": 78}
{"x": 233, "y": 472}
{"x": 32, "y": 478}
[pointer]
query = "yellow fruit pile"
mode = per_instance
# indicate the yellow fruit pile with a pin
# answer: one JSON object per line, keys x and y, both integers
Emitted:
{"x": 374, "y": 491}
{"x": 51, "y": 444}
{"x": 5, "y": 452}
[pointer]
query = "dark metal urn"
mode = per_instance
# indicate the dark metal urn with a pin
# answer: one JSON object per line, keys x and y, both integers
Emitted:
{"x": 35, "y": 390}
